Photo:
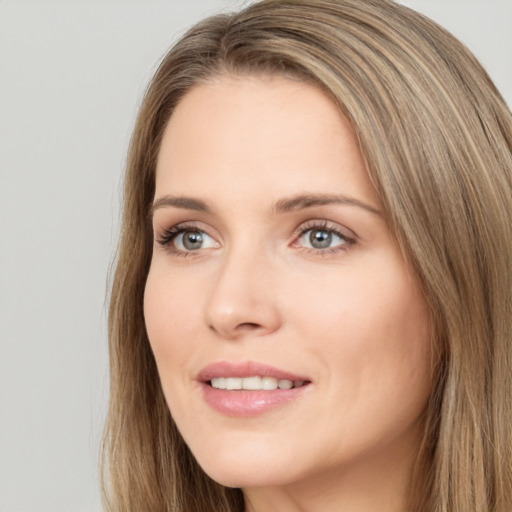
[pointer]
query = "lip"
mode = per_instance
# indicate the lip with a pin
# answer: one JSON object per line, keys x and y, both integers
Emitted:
{"x": 244, "y": 369}
{"x": 245, "y": 403}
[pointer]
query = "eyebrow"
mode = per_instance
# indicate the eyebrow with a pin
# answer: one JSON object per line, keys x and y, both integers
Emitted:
{"x": 186, "y": 203}
{"x": 297, "y": 202}
{"x": 303, "y": 201}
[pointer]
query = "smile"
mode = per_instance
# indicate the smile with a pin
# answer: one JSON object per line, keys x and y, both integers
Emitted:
{"x": 250, "y": 388}
{"x": 254, "y": 383}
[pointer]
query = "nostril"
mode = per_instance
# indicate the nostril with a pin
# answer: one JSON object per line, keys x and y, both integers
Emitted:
{"x": 249, "y": 326}
{"x": 245, "y": 326}
{"x": 239, "y": 330}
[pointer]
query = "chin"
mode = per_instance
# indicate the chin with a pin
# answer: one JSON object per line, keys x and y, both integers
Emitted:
{"x": 235, "y": 469}
{"x": 246, "y": 477}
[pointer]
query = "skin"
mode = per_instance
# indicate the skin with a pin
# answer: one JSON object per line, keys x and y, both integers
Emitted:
{"x": 350, "y": 317}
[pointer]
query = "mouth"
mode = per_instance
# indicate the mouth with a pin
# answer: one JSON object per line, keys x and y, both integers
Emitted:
{"x": 249, "y": 389}
{"x": 254, "y": 383}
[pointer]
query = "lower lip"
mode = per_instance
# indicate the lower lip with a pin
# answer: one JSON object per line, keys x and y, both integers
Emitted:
{"x": 244, "y": 403}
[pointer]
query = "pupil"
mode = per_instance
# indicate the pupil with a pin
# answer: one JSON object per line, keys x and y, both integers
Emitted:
{"x": 320, "y": 239}
{"x": 192, "y": 240}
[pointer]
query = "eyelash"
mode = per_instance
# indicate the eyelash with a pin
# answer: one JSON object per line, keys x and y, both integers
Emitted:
{"x": 323, "y": 225}
{"x": 169, "y": 235}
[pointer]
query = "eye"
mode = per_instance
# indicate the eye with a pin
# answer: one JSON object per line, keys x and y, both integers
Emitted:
{"x": 323, "y": 238}
{"x": 193, "y": 240}
{"x": 183, "y": 239}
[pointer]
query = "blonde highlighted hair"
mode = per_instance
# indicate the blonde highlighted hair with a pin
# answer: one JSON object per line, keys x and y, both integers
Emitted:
{"x": 437, "y": 139}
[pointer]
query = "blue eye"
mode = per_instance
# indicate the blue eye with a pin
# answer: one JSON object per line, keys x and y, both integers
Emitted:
{"x": 191, "y": 240}
{"x": 184, "y": 239}
{"x": 321, "y": 238}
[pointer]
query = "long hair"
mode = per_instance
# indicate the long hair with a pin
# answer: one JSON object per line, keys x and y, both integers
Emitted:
{"x": 437, "y": 139}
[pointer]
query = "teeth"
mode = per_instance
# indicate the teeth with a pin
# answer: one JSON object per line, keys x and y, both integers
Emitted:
{"x": 285, "y": 384}
{"x": 233, "y": 383}
{"x": 219, "y": 383}
{"x": 254, "y": 383}
{"x": 269, "y": 383}
{"x": 251, "y": 383}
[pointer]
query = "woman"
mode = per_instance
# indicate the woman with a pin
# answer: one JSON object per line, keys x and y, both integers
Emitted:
{"x": 313, "y": 298}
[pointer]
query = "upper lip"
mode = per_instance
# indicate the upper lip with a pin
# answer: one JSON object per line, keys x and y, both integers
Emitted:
{"x": 245, "y": 369}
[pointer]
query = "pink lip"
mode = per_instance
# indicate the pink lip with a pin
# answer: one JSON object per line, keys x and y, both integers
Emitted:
{"x": 244, "y": 403}
{"x": 245, "y": 369}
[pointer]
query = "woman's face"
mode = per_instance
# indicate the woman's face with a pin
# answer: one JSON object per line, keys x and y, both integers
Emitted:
{"x": 273, "y": 266}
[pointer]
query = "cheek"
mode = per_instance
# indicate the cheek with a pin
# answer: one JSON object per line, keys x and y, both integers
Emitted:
{"x": 170, "y": 320}
{"x": 371, "y": 328}
{"x": 171, "y": 325}
{"x": 376, "y": 301}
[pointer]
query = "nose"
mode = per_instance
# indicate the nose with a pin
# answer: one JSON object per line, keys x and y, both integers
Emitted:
{"x": 242, "y": 301}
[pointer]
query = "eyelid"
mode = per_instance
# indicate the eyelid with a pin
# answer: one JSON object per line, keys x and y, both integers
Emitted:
{"x": 166, "y": 236}
{"x": 347, "y": 237}
{"x": 327, "y": 225}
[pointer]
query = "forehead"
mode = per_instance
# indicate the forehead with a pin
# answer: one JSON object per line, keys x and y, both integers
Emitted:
{"x": 270, "y": 131}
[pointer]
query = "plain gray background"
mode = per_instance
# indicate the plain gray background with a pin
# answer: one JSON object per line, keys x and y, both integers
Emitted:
{"x": 71, "y": 76}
